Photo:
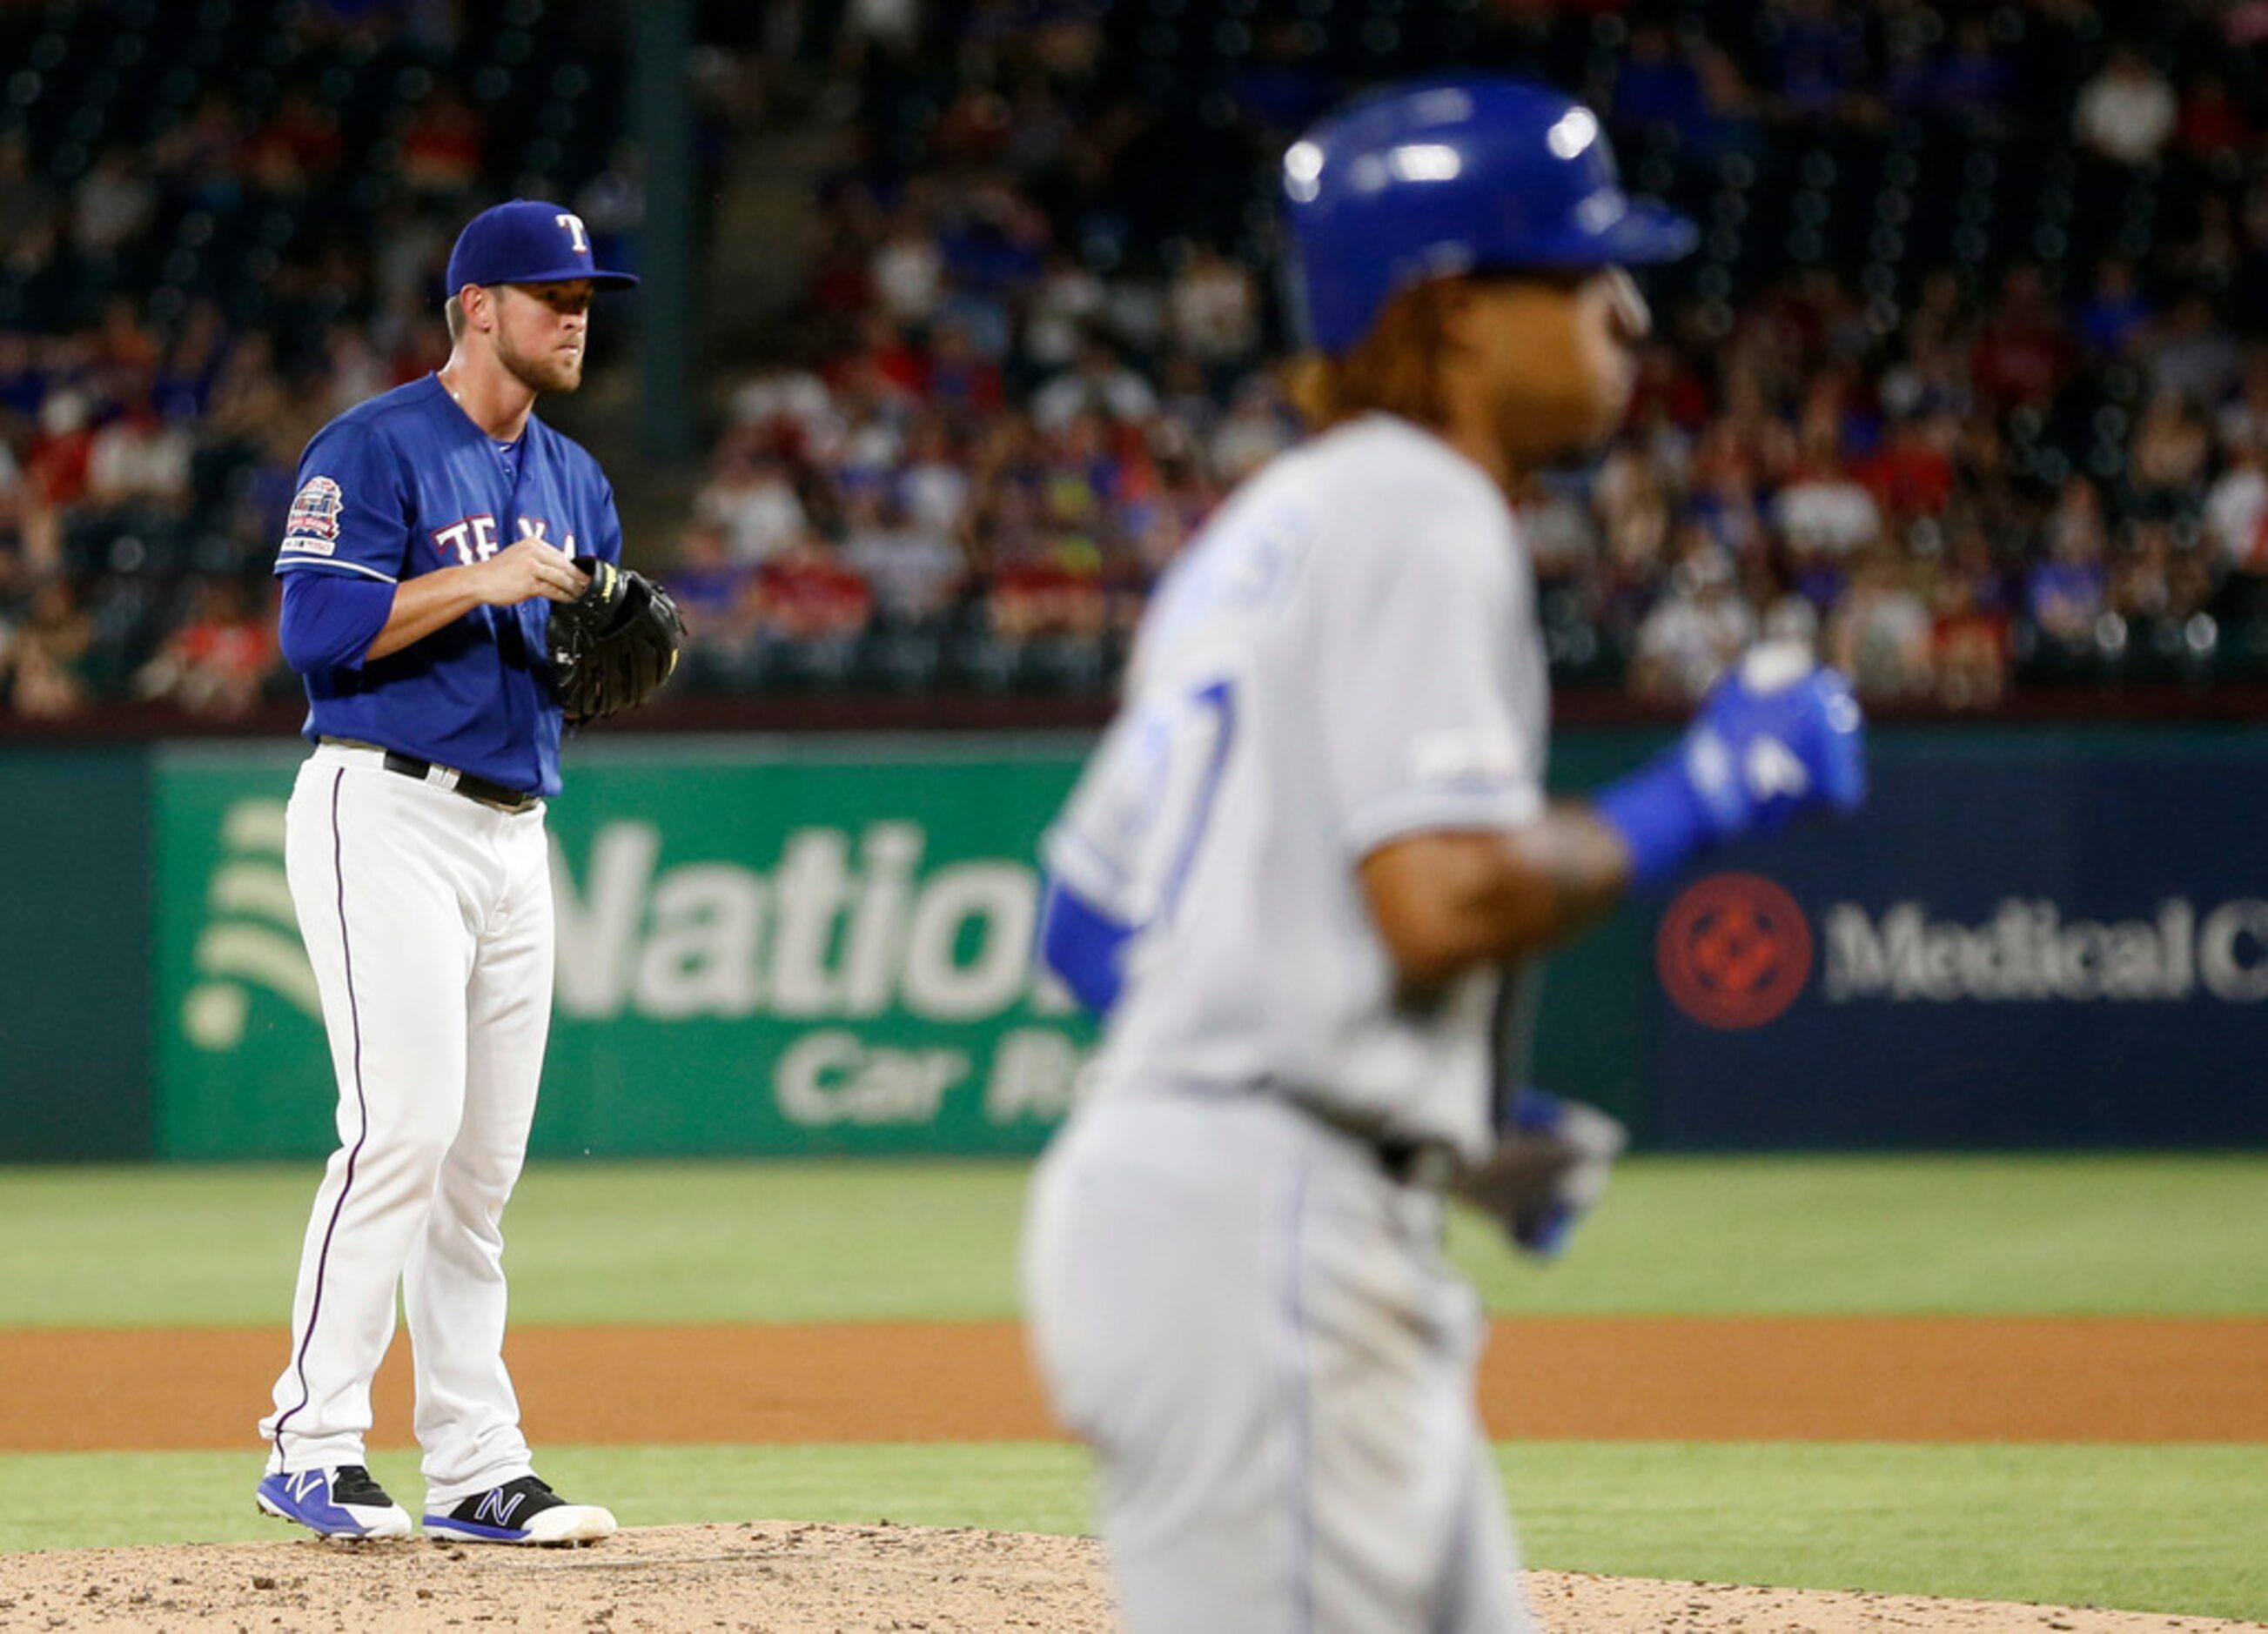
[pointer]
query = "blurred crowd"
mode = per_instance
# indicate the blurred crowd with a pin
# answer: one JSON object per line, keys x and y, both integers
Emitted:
{"x": 228, "y": 221}
{"x": 1039, "y": 343}
{"x": 1969, "y": 384}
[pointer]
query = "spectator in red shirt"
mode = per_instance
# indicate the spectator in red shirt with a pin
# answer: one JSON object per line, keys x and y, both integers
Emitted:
{"x": 1747, "y": 443}
{"x": 1968, "y": 643}
{"x": 884, "y": 363}
{"x": 297, "y": 148}
{"x": 1059, "y": 593}
{"x": 2025, "y": 352}
{"x": 442, "y": 144}
{"x": 2211, "y": 124}
{"x": 1912, "y": 475}
{"x": 1042, "y": 579}
{"x": 1666, "y": 387}
{"x": 840, "y": 284}
{"x": 60, "y": 454}
{"x": 805, "y": 595}
{"x": 217, "y": 662}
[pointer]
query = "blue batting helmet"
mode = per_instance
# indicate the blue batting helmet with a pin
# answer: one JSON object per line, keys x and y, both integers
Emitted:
{"x": 1449, "y": 176}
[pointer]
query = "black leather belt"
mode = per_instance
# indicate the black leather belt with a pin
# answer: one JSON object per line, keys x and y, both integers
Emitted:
{"x": 479, "y": 789}
{"x": 1405, "y": 1160}
{"x": 1427, "y": 1163}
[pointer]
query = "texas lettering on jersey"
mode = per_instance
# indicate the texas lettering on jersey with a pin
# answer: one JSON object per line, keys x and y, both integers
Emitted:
{"x": 474, "y": 538}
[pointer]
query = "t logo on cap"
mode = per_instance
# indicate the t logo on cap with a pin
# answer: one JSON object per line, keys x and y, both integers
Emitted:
{"x": 527, "y": 241}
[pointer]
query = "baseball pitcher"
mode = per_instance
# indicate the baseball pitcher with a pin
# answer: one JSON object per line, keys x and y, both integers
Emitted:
{"x": 1303, "y": 870}
{"x": 451, "y": 596}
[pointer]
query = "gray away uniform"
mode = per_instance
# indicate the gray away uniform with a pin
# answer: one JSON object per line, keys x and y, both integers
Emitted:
{"x": 1231, "y": 1298}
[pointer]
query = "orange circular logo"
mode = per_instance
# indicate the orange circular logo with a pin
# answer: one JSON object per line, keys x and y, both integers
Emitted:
{"x": 1735, "y": 951}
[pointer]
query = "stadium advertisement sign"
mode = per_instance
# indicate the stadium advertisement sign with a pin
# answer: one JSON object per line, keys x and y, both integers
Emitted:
{"x": 819, "y": 951}
{"x": 2044, "y": 943}
{"x": 2029, "y": 939}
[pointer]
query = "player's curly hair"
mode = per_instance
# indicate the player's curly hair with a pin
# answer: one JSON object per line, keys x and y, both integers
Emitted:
{"x": 1394, "y": 368}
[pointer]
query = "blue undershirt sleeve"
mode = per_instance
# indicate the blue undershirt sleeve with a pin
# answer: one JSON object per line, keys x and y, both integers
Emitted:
{"x": 330, "y": 620}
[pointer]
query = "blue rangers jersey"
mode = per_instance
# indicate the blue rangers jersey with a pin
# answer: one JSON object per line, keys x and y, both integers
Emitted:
{"x": 407, "y": 484}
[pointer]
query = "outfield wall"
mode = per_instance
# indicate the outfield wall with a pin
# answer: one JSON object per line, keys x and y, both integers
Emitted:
{"x": 76, "y": 999}
{"x": 2036, "y": 937}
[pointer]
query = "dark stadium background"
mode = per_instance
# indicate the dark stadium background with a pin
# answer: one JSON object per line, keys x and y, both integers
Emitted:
{"x": 959, "y": 318}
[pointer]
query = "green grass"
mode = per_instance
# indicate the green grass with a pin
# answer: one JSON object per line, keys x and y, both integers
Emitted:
{"x": 80, "y": 1500}
{"x": 2108, "y": 1235}
{"x": 2144, "y": 1528}
{"x": 822, "y": 1240}
{"x": 2177, "y": 1529}
{"x": 2172, "y": 1529}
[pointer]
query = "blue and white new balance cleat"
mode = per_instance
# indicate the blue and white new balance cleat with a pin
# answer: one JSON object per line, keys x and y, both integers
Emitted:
{"x": 342, "y": 1503}
{"x": 524, "y": 1510}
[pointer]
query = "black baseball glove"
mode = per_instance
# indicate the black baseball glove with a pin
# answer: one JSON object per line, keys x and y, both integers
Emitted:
{"x": 612, "y": 647}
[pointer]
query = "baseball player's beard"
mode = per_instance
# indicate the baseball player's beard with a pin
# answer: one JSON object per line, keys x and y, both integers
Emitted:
{"x": 554, "y": 372}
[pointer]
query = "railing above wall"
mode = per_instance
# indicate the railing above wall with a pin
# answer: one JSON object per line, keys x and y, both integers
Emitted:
{"x": 978, "y": 711}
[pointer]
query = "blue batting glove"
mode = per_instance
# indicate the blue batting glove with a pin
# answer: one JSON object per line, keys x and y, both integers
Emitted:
{"x": 1776, "y": 737}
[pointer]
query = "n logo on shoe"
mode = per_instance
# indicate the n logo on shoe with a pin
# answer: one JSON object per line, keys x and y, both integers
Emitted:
{"x": 497, "y": 1510}
{"x": 306, "y": 1484}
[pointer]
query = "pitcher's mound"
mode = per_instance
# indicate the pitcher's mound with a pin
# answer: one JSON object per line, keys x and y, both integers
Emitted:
{"x": 785, "y": 1578}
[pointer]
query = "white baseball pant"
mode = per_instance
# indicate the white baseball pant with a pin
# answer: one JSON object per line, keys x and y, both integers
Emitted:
{"x": 428, "y": 918}
{"x": 1254, "y": 1329}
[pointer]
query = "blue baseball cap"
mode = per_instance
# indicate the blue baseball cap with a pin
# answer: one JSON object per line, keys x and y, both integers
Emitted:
{"x": 527, "y": 241}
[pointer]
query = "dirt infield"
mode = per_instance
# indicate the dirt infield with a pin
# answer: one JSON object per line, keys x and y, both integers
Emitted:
{"x": 1875, "y": 1379}
{"x": 1729, "y": 1378}
{"x": 789, "y": 1579}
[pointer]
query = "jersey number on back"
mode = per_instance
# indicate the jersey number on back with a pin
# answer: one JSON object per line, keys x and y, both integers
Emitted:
{"x": 1217, "y": 701}
{"x": 1135, "y": 823}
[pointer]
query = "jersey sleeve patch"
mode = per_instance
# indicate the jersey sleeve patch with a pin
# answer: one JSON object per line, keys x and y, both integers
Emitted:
{"x": 313, "y": 526}
{"x": 1468, "y": 756}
